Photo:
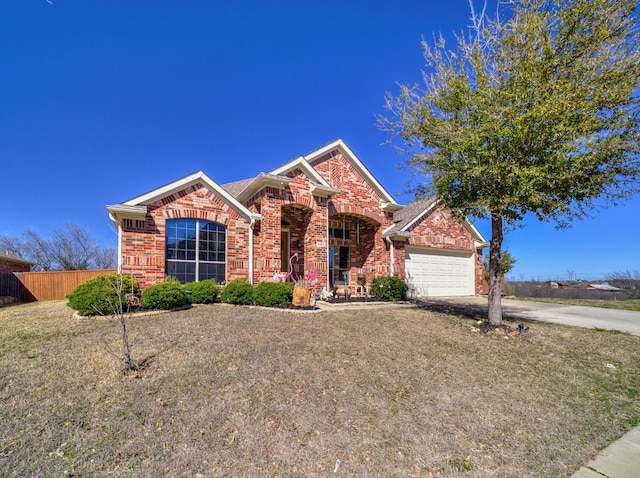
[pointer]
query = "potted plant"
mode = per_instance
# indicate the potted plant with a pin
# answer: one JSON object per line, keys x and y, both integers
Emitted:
{"x": 302, "y": 289}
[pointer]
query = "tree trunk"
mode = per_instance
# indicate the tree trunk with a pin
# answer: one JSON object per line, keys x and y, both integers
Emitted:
{"x": 495, "y": 248}
{"x": 125, "y": 345}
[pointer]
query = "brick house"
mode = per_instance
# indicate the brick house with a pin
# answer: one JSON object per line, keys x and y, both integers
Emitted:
{"x": 11, "y": 263}
{"x": 322, "y": 212}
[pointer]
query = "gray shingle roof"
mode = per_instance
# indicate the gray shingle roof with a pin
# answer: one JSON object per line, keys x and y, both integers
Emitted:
{"x": 10, "y": 257}
{"x": 236, "y": 187}
{"x": 411, "y": 212}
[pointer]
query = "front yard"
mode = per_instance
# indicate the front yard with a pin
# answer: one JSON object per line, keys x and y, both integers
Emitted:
{"x": 248, "y": 392}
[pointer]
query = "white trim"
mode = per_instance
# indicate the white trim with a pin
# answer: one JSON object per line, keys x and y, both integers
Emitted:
{"x": 301, "y": 163}
{"x": 328, "y": 283}
{"x": 323, "y": 191}
{"x": 261, "y": 181}
{"x": 175, "y": 186}
{"x": 479, "y": 240}
{"x": 252, "y": 223}
{"x": 121, "y": 211}
{"x": 418, "y": 216}
{"x": 119, "y": 247}
{"x": 392, "y": 268}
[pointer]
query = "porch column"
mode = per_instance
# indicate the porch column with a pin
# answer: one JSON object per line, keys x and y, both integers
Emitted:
{"x": 392, "y": 268}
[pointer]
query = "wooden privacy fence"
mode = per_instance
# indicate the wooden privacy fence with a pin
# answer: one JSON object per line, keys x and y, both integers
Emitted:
{"x": 38, "y": 286}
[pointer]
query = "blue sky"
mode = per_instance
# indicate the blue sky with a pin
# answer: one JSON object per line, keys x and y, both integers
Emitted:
{"x": 101, "y": 101}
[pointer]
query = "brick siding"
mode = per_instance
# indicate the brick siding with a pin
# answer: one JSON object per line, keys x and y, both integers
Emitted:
{"x": 9, "y": 266}
{"x": 356, "y": 208}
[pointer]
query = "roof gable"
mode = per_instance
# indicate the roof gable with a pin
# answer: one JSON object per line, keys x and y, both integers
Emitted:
{"x": 245, "y": 189}
{"x": 319, "y": 186}
{"x": 414, "y": 212}
{"x": 388, "y": 203}
{"x": 137, "y": 207}
{"x": 277, "y": 177}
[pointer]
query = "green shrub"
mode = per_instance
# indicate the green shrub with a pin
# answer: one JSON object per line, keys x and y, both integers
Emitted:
{"x": 203, "y": 292}
{"x": 166, "y": 295}
{"x": 389, "y": 288}
{"x": 99, "y": 295}
{"x": 273, "y": 293}
{"x": 238, "y": 291}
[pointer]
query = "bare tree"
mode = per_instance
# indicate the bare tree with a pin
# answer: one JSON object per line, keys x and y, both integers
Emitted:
{"x": 105, "y": 258}
{"x": 73, "y": 247}
{"x": 629, "y": 280}
{"x": 70, "y": 248}
{"x": 121, "y": 308}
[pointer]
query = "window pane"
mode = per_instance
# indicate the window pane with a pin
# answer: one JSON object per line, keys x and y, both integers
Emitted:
{"x": 195, "y": 244}
{"x": 183, "y": 271}
{"x": 212, "y": 271}
{"x": 344, "y": 258}
{"x": 180, "y": 236}
{"x": 212, "y": 242}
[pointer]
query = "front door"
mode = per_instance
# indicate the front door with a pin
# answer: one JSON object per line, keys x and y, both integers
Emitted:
{"x": 284, "y": 250}
{"x": 339, "y": 264}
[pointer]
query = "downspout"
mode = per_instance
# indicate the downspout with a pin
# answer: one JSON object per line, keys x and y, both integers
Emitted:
{"x": 118, "y": 223}
{"x": 251, "y": 226}
{"x": 392, "y": 268}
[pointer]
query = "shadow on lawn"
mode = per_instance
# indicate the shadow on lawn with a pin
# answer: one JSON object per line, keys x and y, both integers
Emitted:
{"x": 476, "y": 312}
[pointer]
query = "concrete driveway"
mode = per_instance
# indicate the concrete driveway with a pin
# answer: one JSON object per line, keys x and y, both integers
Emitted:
{"x": 579, "y": 316}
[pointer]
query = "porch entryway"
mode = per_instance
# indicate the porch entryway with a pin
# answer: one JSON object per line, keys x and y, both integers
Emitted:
{"x": 355, "y": 250}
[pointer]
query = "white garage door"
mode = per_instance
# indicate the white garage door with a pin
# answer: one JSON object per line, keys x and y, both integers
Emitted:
{"x": 433, "y": 272}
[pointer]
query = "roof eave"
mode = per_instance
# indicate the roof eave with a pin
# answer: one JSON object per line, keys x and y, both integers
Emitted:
{"x": 397, "y": 235}
{"x": 175, "y": 186}
{"x": 301, "y": 163}
{"x": 323, "y": 191}
{"x": 123, "y": 211}
{"x": 16, "y": 260}
{"x": 390, "y": 207}
{"x": 261, "y": 181}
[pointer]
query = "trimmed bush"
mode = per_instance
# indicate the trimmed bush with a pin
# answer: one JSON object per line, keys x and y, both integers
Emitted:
{"x": 273, "y": 293}
{"x": 166, "y": 295}
{"x": 389, "y": 288}
{"x": 99, "y": 295}
{"x": 238, "y": 291}
{"x": 203, "y": 292}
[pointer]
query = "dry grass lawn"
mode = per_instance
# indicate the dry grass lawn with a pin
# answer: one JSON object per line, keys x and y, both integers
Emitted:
{"x": 249, "y": 392}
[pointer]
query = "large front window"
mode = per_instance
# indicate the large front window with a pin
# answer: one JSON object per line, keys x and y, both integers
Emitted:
{"x": 196, "y": 250}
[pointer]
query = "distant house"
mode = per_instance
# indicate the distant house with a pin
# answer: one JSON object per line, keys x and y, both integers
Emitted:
{"x": 604, "y": 286}
{"x": 322, "y": 214}
{"x": 12, "y": 263}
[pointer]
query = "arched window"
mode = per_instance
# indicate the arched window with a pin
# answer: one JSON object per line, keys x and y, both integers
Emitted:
{"x": 196, "y": 250}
